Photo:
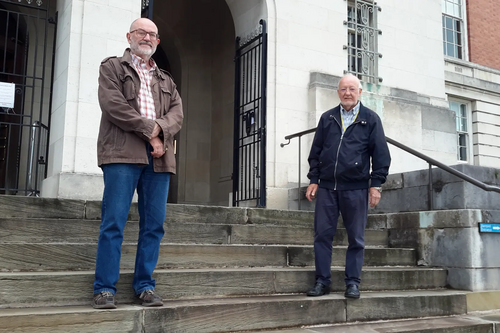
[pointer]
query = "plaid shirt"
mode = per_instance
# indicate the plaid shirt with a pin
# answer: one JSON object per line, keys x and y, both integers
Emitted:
{"x": 145, "y": 98}
{"x": 348, "y": 117}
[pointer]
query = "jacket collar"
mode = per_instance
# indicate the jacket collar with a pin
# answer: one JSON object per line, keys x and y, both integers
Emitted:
{"x": 362, "y": 115}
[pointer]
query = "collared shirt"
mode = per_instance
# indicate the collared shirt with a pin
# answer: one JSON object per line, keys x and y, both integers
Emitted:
{"x": 348, "y": 117}
{"x": 145, "y": 98}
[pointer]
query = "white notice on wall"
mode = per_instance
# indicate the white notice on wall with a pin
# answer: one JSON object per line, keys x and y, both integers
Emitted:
{"x": 7, "y": 92}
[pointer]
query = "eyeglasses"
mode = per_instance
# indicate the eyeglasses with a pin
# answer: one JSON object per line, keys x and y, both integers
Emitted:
{"x": 351, "y": 90}
{"x": 142, "y": 33}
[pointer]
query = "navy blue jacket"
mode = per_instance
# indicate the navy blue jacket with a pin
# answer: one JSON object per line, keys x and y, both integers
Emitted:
{"x": 342, "y": 162}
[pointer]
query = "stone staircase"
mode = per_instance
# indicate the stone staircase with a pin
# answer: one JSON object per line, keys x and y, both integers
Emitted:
{"x": 220, "y": 270}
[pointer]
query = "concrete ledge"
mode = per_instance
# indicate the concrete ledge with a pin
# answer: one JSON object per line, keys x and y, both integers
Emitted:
{"x": 73, "y": 186}
{"x": 483, "y": 301}
{"x": 451, "y": 239}
{"x": 408, "y": 192}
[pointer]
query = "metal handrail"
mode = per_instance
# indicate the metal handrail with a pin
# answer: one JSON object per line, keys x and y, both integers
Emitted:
{"x": 412, "y": 151}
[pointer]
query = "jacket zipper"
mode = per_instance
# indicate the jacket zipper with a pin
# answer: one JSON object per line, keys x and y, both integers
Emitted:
{"x": 338, "y": 151}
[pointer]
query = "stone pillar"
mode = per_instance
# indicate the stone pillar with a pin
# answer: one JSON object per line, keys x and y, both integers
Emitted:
{"x": 88, "y": 31}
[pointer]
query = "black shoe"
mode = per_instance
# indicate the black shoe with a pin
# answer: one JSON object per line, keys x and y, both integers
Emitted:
{"x": 352, "y": 291}
{"x": 319, "y": 289}
{"x": 148, "y": 298}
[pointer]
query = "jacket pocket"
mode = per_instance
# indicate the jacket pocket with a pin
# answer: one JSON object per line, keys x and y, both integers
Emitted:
{"x": 166, "y": 97}
{"x": 351, "y": 169}
{"x": 128, "y": 87}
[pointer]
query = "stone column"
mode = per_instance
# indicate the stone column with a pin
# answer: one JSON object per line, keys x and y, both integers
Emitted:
{"x": 88, "y": 31}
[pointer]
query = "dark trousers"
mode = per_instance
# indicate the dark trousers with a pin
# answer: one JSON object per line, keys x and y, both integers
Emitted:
{"x": 353, "y": 205}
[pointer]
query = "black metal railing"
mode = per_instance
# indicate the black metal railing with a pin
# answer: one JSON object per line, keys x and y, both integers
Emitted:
{"x": 27, "y": 47}
{"x": 412, "y": 151}
{"x": 249, "y": 145}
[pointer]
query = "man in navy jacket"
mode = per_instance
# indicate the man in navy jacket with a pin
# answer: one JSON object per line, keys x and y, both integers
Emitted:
{"x": 349, "y": 161}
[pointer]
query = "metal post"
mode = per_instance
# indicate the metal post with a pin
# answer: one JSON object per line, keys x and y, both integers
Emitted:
{"x": 51, "y": 93}
{"x": 236, "y": 135}
{"x": 298, "y": 187}
{"x": 263, "y": 105}
{"x": 430, "y": 205}
{"x": 30, "y": 166}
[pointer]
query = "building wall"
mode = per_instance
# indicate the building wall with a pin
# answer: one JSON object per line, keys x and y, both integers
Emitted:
{"x": 306, "y": 57}
{"x": 480, "y": 87}
{"x": 483, "y": 20}
{"x": 310, "y": 38}
{"x": 199, "y": 43}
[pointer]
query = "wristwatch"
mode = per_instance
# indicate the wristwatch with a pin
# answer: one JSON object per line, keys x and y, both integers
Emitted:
{"x": 378, "y": 189}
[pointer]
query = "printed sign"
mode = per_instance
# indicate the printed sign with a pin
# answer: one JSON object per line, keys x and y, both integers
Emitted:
{"x": 489, "y": 227}
{"x": 7, "y": 95}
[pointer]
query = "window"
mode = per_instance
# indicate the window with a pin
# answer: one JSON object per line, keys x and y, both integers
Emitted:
{"x": 362, "y": 36}
{"x": 463, "y": 137}
{"x": 453, "y": 28}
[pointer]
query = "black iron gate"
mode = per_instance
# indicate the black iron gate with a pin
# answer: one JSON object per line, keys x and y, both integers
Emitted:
{"x": 27, "y": 45}
{"x": 249, "y": 155}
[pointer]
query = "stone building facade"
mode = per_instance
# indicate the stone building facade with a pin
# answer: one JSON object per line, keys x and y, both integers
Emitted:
{"x": 422, "y": 65}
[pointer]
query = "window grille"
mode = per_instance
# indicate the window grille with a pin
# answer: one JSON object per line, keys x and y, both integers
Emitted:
{"x": 362, "y": 40}
{"x": 462, "y": 122}
{"x": 453, "y": 28}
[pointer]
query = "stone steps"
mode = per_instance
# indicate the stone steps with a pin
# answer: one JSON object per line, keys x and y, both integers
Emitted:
{"x": 454, "y": 324}
{"x": 235, "y": 313}
{"x": 220, "y": 270}
{"x": 44, "y": 208}
{"x": 74, "y": 288}
{"x": 81, "y": 256}
{"x": 87, "y": 231}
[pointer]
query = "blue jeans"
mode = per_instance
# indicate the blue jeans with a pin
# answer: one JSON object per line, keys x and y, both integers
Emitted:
{"x": 120, "y": 182}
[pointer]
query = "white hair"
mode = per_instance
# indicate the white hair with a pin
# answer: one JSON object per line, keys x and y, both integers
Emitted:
{"x": 354, "y": 76}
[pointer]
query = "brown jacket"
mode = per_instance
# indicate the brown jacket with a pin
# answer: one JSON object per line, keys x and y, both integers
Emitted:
{"x": 123, "y": 132}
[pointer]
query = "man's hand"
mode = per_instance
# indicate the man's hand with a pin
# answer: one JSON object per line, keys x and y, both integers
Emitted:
{"x": 374, "y": 197}
{"x": 311, "y": 191}
{"x": 157, "y": 145}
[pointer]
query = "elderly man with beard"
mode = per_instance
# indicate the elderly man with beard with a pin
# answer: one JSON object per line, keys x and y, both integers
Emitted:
{"x": 141, "y": 113}
{"x": 349, "y": 161}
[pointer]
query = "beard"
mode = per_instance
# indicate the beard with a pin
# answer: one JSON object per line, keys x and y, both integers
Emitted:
{"x": 349, "y": 104}
{"x": 141, "y": 50}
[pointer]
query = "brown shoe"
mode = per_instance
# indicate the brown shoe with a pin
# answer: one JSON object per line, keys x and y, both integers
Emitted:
{"x": 104, "y": 300}
{"x": 148, "y": 298}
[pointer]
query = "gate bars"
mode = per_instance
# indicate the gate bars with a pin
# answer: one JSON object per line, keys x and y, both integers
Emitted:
{"x": 27, "y": 46}
{"x": 249, "y": 146}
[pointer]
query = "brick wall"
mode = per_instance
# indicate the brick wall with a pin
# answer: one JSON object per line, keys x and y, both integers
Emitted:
{"x": 483, "y": 23}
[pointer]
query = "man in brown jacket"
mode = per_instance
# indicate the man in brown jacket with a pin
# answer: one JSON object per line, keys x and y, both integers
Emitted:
{"x": 141, "y": 113}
